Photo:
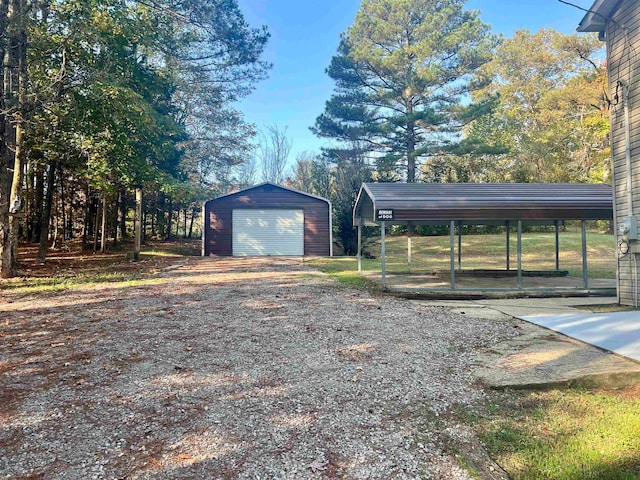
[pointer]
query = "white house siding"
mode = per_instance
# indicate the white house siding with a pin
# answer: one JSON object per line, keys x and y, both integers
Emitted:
{"x": 623, "y": 51}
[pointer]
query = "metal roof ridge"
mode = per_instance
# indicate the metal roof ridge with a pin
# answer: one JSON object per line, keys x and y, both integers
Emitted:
{"x": 273, "y": 185}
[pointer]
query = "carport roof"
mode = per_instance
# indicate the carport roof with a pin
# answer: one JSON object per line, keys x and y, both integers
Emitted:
{"x": 481, "y": 202}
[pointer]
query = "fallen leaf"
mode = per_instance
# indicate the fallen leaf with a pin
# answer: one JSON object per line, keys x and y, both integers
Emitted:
{"x": 317, "y": 466}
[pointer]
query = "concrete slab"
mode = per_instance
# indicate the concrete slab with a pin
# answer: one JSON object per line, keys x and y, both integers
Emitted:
{"x": 618, "y": 332}
{"x": 539, "y": 358}
{"x": 470, "y": 308}
{"x": 517, "y": 307}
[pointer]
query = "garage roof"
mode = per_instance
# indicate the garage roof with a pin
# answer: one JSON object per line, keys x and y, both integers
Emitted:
{"x": 426, "y": 203}
{"x": 272, "y": 186}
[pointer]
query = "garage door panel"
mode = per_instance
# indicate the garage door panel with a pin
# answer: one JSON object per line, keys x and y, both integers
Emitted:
{"x": 268, "y": 232}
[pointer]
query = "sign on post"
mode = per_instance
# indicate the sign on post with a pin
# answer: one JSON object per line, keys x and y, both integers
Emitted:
{"x": 384, "y": 215}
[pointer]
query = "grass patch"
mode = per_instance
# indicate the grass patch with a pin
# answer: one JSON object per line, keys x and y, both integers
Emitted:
{"x": 564, "y": 434}
{"x": 489, "y": 252}
{"x": 431, "y": 253}
{"x": 343, "y": 270}
{"x": 74, "y": 268}
{"x": 59, "y": 284}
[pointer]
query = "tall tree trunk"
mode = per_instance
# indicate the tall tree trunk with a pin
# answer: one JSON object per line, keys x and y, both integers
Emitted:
{"x": 143, "y": 232}
{"x": 18, "y": 166}
{"x": 184, "y": 225}
{"x": 6, "y": 158}
{"x": 14, "y": 69}
{"x": 120, "y": 221}
{"x": 45, "y": 219}
{"x": 411, "y": 152}
{"x": 63, "y": 207}
{"x": 137, "y": 225}
{"x": 87, "y": 220}
{"x": 169, "y": 218}
{"x": 193, "y": 215}
{"x": 123, "y": 219}
{"x": 95, "y": 227}
{"x": 57, "y": 208}
{"x": 37, "y": 204}
{"x": 103, "y": 237}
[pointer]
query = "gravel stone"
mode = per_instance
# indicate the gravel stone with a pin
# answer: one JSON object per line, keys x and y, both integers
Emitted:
{"x": 233, "y": 369}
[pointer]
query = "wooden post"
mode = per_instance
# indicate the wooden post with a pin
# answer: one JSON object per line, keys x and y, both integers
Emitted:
{"x": 138, "y": 224}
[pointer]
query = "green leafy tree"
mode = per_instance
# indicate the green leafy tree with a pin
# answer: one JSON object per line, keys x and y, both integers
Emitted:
{"x": 402, "y": 72}
{"x": 552, "y": 118}
{"x": 102, "y": 95}
{"x": 336, "y": 176}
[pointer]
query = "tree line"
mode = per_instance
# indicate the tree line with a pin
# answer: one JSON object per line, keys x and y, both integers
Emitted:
{"x": 424, "y": 91}
{"x": 102, "y": 96}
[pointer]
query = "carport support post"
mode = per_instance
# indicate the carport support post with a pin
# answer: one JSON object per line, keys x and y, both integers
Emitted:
{"x": 460, "y": 246}
{"x": 359, "y": 227}
{"x": 585, "y": 272}
{"x": 519, "y": 253}
{"x": 409, "y": 229}
{"x": 508, "y": 225}
{"x": 383, "y": 253}
{"x": 452, "y": 232}
{"x": 557, "y": 245}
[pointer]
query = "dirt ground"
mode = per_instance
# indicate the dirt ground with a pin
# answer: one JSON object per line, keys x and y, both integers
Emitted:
{"x": 224, "y": 369}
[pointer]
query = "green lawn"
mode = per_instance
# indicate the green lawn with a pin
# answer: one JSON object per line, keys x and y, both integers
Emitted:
{"x": 75, "y": 268}
{"x": 344, "y": 270}
{"x": 489, "y": 252}
{"x": 564, "y": 434}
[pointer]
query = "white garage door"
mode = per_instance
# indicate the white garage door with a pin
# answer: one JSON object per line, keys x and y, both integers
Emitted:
{"x": 268, "y": 232}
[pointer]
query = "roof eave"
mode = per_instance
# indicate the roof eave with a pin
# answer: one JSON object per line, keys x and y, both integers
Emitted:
{"x": 239, "y": 192}
{"x": 596, "y": 18}
{"x": 356, "y": 207}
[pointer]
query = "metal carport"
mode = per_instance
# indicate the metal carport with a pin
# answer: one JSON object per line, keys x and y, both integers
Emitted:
{"x": 382, "y": 204}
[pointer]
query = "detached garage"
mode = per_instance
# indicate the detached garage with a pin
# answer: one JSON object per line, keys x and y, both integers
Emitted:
{"x": 267, "y": 220}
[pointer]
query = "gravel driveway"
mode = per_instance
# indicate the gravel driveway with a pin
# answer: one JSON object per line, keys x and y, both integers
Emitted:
{"x": 225, "y": 369}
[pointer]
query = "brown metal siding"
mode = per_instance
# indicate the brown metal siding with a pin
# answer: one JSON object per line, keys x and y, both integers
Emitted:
{"x": 622, "y": 58}
{"x": 218, "y": 218}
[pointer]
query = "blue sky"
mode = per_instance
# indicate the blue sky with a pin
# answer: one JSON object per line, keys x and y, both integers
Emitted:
{"x": 305, "y": 35}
